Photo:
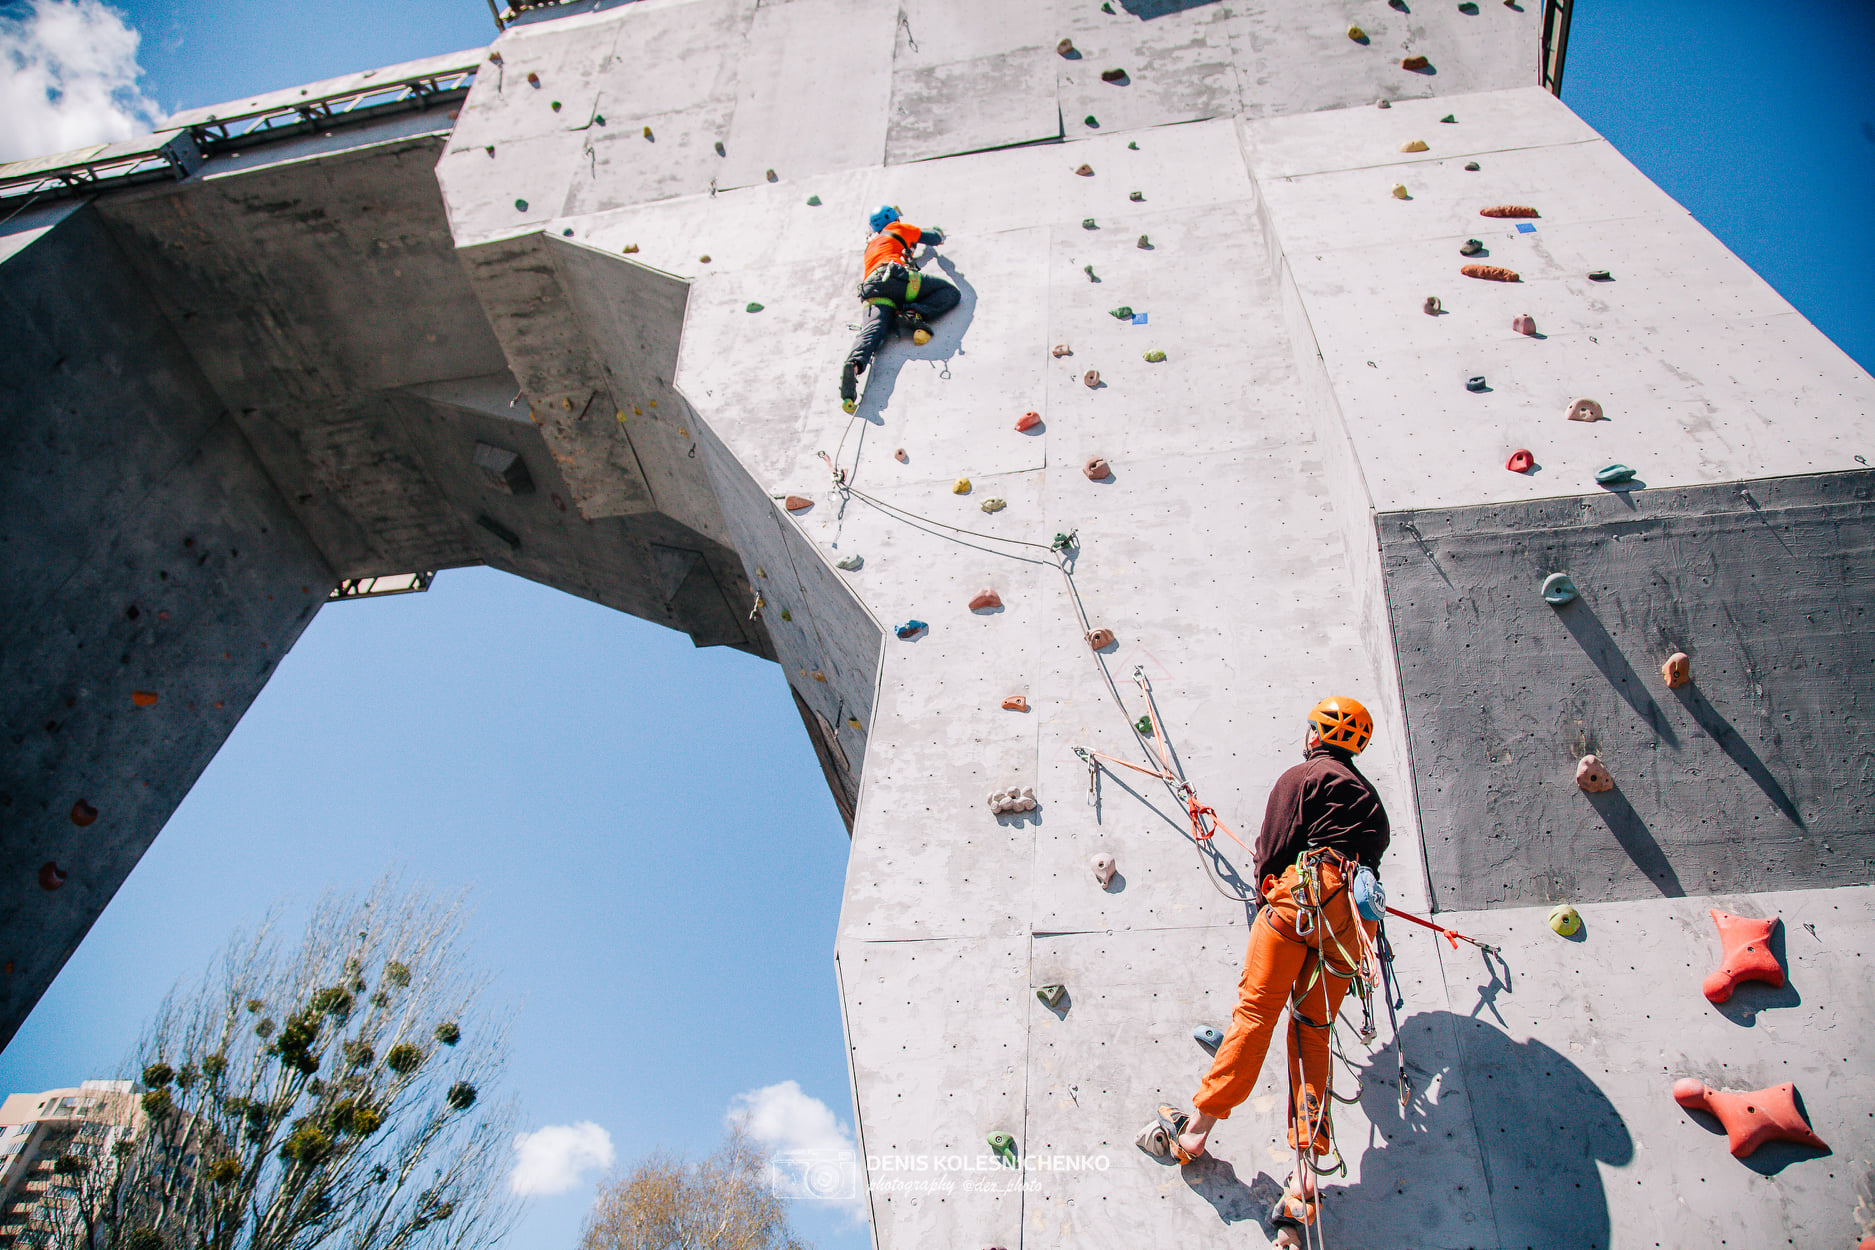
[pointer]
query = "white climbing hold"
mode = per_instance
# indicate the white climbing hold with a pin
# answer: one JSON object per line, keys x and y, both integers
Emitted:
{"x": 1104, "y": 868}
{"x": 1586, "y": 410}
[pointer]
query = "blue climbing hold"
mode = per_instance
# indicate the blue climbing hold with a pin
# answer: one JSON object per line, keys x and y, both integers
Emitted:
{"x": 1558, "y": 589}
{"x": 911, "y": 629}
{"x": 1208, "y": 1036}
{"x": 1613, "y": 474}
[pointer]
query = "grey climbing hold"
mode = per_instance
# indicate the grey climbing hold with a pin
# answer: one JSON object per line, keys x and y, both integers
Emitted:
{"x": 1475, "y": 385}
{"x": 1472, "y": 167}
{"x": 1051, "y": 995}
{"x": 1471, "y": 247}
{"x": 1558, "y": 589}
{"x": 1208, "y": 1036}
{"x": 1144, "y": 244}
{"x": 1613, "y": 474}
{"x": 850, "y": 563}
{"x": 1433, "y": 307}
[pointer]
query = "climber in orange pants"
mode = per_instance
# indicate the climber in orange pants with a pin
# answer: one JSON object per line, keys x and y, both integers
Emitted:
{"x": 1324, "y": 824}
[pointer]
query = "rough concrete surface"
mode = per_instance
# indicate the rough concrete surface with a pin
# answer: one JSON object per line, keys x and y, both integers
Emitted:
{"x": 1304, "y": 498}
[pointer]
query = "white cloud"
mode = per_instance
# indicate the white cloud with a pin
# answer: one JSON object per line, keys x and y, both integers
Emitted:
{"x": 68, "y": 78}
{"x": 554, "y": 1159}
{"x": 783, "y": 1119}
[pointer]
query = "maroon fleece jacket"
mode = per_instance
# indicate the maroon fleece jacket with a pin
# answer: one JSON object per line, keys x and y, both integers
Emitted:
{"x": 1323, "y": 801}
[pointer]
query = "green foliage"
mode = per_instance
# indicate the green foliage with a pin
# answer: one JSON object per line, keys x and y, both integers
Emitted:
{"x": 185, "y": 1076}
{"x": 448, "y": 1033}
{"x": 214, "y": 1066}
{"x": 157, "y": 1075}
{"x": 295, "y": 1045}
{"x": 335, "y": 1001}
{"x": 307, "y": 1145}
{"x": 396, "y": 974}
{"x": 461, "y": 1096}
{"x": 156, "y": 1104}
{"x": 70, "y": 1165}
{"x": 224, "y": 1171}
{"x": 403, "y": 1059}
{"x": 254, "y": 1005}
{"x": 357, "y": 1054}
{"x": 352, "y": 1116}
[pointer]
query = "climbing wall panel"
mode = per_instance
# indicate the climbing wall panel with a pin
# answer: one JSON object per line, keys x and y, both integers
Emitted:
{"x": 1175, "y": 68}
{"x": 966, "y": 106}
{"x": 1742, "y": 780}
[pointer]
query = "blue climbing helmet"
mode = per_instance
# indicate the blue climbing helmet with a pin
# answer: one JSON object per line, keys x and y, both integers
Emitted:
{"x": 882, "y": 216}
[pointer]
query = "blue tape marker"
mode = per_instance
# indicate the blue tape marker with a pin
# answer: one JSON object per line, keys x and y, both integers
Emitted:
{"x": 1524, "y": 227}
{"x": 1139, "y": 319}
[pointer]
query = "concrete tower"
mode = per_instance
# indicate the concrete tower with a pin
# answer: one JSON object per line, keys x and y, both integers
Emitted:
{"x": 582, "y": 320}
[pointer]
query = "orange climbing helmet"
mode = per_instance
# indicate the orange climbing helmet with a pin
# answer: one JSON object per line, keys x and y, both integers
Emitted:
{"x": 1342, "y": 722}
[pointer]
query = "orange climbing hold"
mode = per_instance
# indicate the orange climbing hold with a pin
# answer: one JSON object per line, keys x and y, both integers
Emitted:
{"x": 1678, "y": 670}
{"x": 1028, "y": 421}
{"x": 1097, "y": 469}
{"x": 1748, "y": 955}
{"x": 1750, "y": 1119}
{"x": 51, "y": 876}
{"x": 1100, "y": 639}
{"x": 143, "y": 698}
{"x": 83, "y": 813}
{"x": 985, "y": 599}
{"x": 1592, "y": 775}
{"x": 1062, "y": 349}
{"x": 795, "y": 503}
{"x": 1414, "y": 62}
{"x": 1091, "y": 378}
{"x": 1491, "y": 273}
{"x": 1508, "y": 210}
{"x": 1521, "y": 461}
{"x": 1015, "y": 703}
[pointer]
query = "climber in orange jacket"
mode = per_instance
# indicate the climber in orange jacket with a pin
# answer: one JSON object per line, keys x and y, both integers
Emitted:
{"x": 1324, "y": 829}
{"x": 895, "y": 294}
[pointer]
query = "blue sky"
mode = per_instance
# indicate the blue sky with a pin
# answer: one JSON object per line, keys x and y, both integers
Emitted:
{"x": 655, "y": 862}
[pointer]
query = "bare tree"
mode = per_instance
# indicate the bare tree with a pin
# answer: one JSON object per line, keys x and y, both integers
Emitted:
{"x": 723, "y": 1202}
{"x": 330, "y": 1093}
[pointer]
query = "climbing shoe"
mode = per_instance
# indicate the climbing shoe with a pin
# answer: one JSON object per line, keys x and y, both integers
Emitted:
{"x": 849, "y": 384}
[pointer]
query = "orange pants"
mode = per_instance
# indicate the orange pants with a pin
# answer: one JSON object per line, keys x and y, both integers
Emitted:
{"x": 1281, "y": 967}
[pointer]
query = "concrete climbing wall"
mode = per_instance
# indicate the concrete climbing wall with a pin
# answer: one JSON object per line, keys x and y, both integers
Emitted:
{"x": 636, "y": 262}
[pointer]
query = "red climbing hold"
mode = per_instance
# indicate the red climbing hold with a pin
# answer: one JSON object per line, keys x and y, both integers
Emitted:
{"x": 1028, "y": 421}
{"x": 1748, "y": 955}
{"x": 985, "y": 599}
{"x": 1521, "y": 461}
{"x": 1016, "y": 703}
{"x": 1750, "y": 1119}
{"x": 1508, "y": 210}
{"x": 795, "y": 503}
{"x": 143, "y": 698}
{"x": 1523, "y": 323}
{"x": 51, "y": 876}
{"x": 1097, "y": 469}
{"x": 1100, "y": 639}
{"x": 83, "y": 813}
{"x": 1414, "y": 63}
{"x": 1490, "y": 273}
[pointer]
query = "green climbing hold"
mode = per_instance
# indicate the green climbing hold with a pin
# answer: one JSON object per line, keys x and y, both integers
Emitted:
{"x": 1143, "y": 726}
{"x": 1449, "y": 120}
{"x": 1136, "y": 196}
{"x": 1106, "y": 6}
{"x": 1153, "y": 358}
{"x": 1468, "y": 9}
{"x": 1132, "y": 147}
{"x": 1052, "y": 994}
{"x": 786, "y": 615}
{"x": 1065, "y": 541}
{"x": 1614, "y": 474}
{"x": 1004, "y": 1147}
{"x": 1087, "y": 223}
{"x": 753, "y": 307}
{"x": 1091, "y": 120}
{"x": 1566, "y": 920}
{"x": 813, "y": 201}
{"x": 1123, "y": 313}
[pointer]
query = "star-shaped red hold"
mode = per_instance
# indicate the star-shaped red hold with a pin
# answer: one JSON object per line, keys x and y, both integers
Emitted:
{"x": 1748, "y": 955}
{"x": 1750, "y": 1119}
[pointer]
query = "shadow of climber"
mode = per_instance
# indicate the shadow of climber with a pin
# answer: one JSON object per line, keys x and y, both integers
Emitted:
{"x": 1544, "y": 1126}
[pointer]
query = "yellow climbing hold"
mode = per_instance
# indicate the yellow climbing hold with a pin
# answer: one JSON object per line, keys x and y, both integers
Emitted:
{"x": 1414, "y": 145}
{"x": 1566, "y": 920}
{"x": 961, "y": 486}
{"x": 921, "y": 336}
{"x": 994, "y": 505}
{"x": 1153, "y": 358}
{"x": 620, "y": 414}
{"x": 1357, "y": 34}
{"x": 1399, "y": 191}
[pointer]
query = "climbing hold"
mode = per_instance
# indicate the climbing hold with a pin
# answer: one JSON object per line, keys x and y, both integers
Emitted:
{"x": 1088, "y": 223}
{"x": 849, "y": 563}
{"x": 1523, "y": 323}
{"x": 1104, "y": 868}
{"x": 900, "y": 456}
{"x": 1468, "y": 9}
{"x": 51, "y": 876}
{"x": 1123, "y": 313}
{"x": 752, "y": 307}
{"x": 1586, "y": 410}
{"x": 1091, "y": 378}
{"x": 1508, "y": 210}
{"x": 1002, "y": 1145}
{"x": 1565, "y": 919}
{"x": 1449, "y": 120}
{"x": 813, "y": 201}
{"x": 994, "y": 505}
{"x": 1154, "y": 357}
{"x": 1400, "y": 192}
{"x": 1089, "y": 271}
{"x": 1750, "y": 1119}
{"x": 533, "y": 79}
{"x": 1015, "y": 703}
{"x": 819, "y": 676}
{"x": 1415, "y": 63}
{"x": 1476, "y": 385}
{"x": 1470, "y": 247}
{"x": 795, "y": 503}
{"x": 961, "y": 486}
{"x": 1414, "y": 145}
{"x": 1136, "y": 196}
{"x": 555, "y": 106}
{"x": 984, "y": 600}
{"x": 143, "y": 698}
{"x": 770, "y": 175}
{"x": 1678, "y": 670}
{"x": 705, "y": 258}
{"x": 1065, "y": 47}
{"x": 1132, "y": 147}
{"x": 1600, "y": 275}
{"x": 1748, "y": 955}
{"x": 1085, "y": 171}
{"x": 1004, "y": 802}
{"x": 520, "y": 206}
{"x": 1028, "y": 421}
{"x": 1383, "y": 103}
{"x": 1208, "y": 1036}
{"x": 1091, "y": 120}
{"x": 1357, "y": 34}
{"x": 1100, "y": 639}
{"x": 83, "y": 813}
{"x": 1143, "y": 726}
{"x": 1144, "y": 244}
{"x": 1521, "y": 461}
{"x": 1472, "y": 167}
{"x": 719, "y": 148}
{"x": 1558, "y": 589}
{"x": 1051, "y": 995}
{"x": 1060, "y": 350}
{"x": 1490, "y": 273}
{"x": 628, "y": 249}
{"x": 1097, "y": 469}
{"x": 920, "y": 336}
{"x": 1613, "y": 475}
{"x": 910, "y": 629}
{"x": 786, "y": 615}
{"x": 1592, "y": 775}
{"x": 1113, "y": 75}
{"x": 1432, "y": 306}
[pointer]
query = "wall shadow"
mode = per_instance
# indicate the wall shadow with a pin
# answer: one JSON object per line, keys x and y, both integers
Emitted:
{"x": 1720, "y": 730}
{"x": 947, "y": 337}
{"x": 1146, "y": 10}
{"x": 1633, "y": 835}
{"x": 1542, "y": 1124}
{"x": 1580, "y": 620}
